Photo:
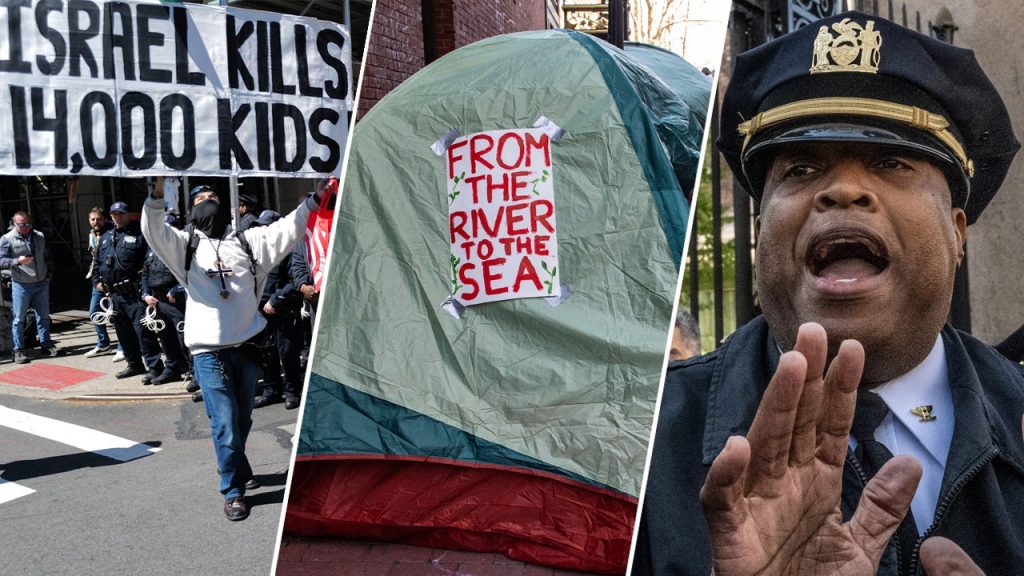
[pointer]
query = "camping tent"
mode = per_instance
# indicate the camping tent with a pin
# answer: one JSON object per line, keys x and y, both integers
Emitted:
{"x": 694, "y": 89}
{"x": 684, "y": 79}
{"x": 519, "y": 425}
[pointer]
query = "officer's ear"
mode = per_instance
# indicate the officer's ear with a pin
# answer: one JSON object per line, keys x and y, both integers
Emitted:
{"x": 959, "y": 221}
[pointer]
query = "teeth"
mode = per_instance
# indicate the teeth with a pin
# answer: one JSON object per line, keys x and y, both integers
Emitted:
{"x": 822, "y": 251}
{"x": 824, "y": 248}
{"x": 846, "y": 280}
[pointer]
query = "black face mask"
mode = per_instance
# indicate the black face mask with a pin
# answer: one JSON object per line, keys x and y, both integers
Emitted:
{"x": 211, "y": 218}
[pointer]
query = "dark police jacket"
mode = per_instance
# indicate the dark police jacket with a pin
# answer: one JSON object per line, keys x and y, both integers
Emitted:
{"x": 708, "y": 399}
{"x": 282, "y": 293}
{"x": 120, "y": 257}
{"x": 299, "y": 265}
{"x": 158, "y": 280}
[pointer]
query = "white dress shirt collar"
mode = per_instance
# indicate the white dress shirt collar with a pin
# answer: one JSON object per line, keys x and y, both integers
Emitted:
{"x": 924, "y": 385}
{"x": 902, "y": 432}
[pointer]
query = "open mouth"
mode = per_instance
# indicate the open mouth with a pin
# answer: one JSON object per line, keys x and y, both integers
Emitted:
{"x": 845, "y": 256}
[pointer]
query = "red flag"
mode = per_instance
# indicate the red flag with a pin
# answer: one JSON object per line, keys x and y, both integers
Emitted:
{"x": 318, "y": 231}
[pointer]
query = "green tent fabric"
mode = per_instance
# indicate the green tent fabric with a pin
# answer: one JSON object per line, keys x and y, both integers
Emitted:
{"x": 693, "y": 89}
{"x": 520, "y": 426}
{"x": 573, "y": 386}
{"x": 684, "y": 79}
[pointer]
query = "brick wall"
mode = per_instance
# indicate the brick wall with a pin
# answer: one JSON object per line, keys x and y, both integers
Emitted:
{"x": 479, "y": 19}
{"x": 396, "y": 50}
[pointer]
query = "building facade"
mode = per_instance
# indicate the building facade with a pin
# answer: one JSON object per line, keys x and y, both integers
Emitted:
{"x": 409, "y": 34}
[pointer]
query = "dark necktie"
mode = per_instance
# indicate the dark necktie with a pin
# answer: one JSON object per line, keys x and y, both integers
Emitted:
{"x": 872, "y": 455}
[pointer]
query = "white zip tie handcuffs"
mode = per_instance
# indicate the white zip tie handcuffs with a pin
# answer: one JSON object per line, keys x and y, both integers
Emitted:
{"x": 150, "y": 320}
{"x": 105, "y": 315}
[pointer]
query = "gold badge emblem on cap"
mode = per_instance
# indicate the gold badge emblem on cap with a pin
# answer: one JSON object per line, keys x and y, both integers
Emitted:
{"x": 923, "y": 412}
{"x": 855, "y": 49}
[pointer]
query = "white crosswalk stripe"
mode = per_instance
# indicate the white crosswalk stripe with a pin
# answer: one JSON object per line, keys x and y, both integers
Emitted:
{"x": 86, "y": 439}
{"x": 10, "y": 491}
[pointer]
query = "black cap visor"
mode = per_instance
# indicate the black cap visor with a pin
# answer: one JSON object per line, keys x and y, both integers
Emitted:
{"x": 761, "y": 150}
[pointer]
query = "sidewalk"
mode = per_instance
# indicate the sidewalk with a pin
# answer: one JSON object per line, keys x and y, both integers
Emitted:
{"x": 72, "y": 376}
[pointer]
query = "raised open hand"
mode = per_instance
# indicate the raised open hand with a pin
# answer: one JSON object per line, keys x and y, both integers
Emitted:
{"x": 772, "y": 498}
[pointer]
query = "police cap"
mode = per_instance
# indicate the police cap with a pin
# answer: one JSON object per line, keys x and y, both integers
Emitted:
{"x": 200, "y": 189}
{"x": 860, "y": 78}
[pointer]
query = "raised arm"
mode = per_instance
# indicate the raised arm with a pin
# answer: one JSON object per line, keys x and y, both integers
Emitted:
{"x": 271, "y": 244}
{"x": 167, "y": 242}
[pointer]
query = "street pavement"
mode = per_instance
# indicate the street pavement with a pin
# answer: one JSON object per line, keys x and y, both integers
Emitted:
{"x": 107, "y": 476}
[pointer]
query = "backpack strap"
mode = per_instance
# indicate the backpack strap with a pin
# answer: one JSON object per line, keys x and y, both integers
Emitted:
{"x": 252, "y": 260}
{"x": 190, "y": 249}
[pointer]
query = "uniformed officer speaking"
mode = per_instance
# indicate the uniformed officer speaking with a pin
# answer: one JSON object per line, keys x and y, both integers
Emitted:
{"x": 871, "y": 148}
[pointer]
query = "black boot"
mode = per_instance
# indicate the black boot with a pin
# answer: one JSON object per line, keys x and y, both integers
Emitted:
{"x": 266, "y": 400}
{"x": 166, "y": 376}
{"x": 131, "y": 370}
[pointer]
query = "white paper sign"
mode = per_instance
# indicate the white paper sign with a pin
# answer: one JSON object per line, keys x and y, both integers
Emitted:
{"x": 501, "y": 216}
{"x": 133, "y": 88}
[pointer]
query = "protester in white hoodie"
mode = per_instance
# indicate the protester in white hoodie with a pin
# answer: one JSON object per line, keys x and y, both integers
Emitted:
{"x": 223, "y": 284}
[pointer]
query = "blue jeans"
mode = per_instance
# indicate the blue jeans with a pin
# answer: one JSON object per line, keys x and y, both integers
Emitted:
{"x": 37, "y": 297}
{"x": 228, "y": 381}
{"x": 102, "y": 338}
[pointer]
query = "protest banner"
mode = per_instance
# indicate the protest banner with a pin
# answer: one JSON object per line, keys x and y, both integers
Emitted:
{"x": 501, "y": 216}
{"x": 134, "y": 88}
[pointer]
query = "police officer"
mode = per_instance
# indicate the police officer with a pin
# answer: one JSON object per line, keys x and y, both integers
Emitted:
{"x": 117, "y": 269}
{"x": 302, "y": 280}
{"x": 281, "y": 305}
{"x": 248, "y": 211}
{"x": 162, "y": 291}
{"x": 849, "y": 430}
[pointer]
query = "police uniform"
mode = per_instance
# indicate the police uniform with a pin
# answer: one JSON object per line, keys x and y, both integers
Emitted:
{"x": 159, "y": 282}
{"x": 118, "y": 266}
{"x": 282, "y": 339}
{"x": 301, "y": 276}
{"x": 252, "y": 213}
{"x": 285, "y": 331}
{"x": 853, "y": 78}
